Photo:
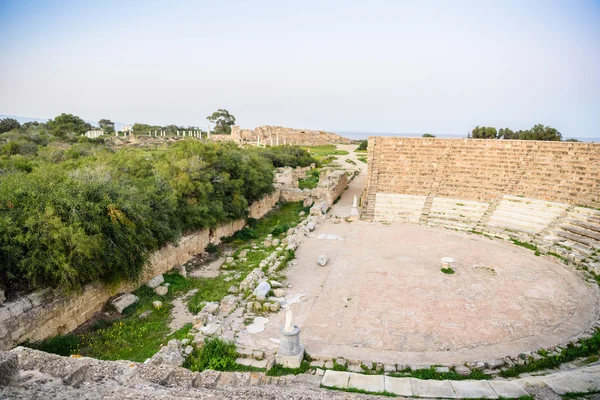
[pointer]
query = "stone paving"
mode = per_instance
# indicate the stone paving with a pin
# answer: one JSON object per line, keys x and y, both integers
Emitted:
{"x": 583, "y": 380}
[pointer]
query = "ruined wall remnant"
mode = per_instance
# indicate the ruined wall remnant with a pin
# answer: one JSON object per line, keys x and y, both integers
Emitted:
{"x": 278, "y": 135}
{"x": 47, "y": 313}
{"x": 484, "y": 170}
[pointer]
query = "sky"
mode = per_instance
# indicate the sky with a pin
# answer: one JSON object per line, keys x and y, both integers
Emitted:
{"x": 361, "y": 66}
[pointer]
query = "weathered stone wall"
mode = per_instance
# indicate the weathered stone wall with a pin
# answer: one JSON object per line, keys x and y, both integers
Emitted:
{"x": 273, "y": 135}
{"x": 484, "y": 170}
{"x": 47, "y": 313}
{"x": 221, "y": 138}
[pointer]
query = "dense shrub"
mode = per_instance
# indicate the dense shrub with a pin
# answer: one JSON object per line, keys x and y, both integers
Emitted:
{"x": 73, "y": 214}
{"x": 216, "y": 354}
{"x": 282, "y": 156}
{"x": 363, "y": 145}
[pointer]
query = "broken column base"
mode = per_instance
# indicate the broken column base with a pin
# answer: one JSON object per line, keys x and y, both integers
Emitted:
{"x": 291, "y": 352}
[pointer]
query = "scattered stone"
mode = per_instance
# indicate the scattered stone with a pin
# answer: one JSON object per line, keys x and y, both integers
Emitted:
{"x": 317, "y": 363}
{"x": 145, "y": 314}
{"x": 322, "y": 260}
{"x": 157, "y": 304}
{"x": 169, "y": 354}
{"x": 442, "y": 369}
{"x": 252, "y": 363}
{"x": 275, "y": 242}
{"x": 9, "y": 368}
{"x": 301, "y": 214}
{"x": 211, "y": 307}
{"x": 279, "y": 292}
{"x": 258, "y": 355}
{"x": 311, "y": 226}
{"x": 124, "y": 301}
{"x": 496, "y": 364}
{"x": 262, "y": 290}
{"x": 185, "y": 342}
{"x": 275, "y": 284}
{"x": 355, "y": 368}
{"x": 243, "y": 253}
{"x": 389, "y": 368}
{"x": 155, "y": 282}
{"x": 228, "y": 279}
{"x": 462, "y": 370}
{"x": 229, "y": 260}
{"x": 188, "y": 350}
{"x": 319, "y": 372}
{"x": 275, "y": 306}
{"x": 161, "y": 290}
{"x": 228, "y": 304}
{"x": 233, "y": 289}
{"x": 212, "y": 329}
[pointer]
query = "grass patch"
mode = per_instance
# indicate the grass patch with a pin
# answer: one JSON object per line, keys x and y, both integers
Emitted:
{"x": 326, "y": 150}
{"x": 279, "y": 370}
{"x": 311, "y": 181}
{"x": 218, "y": 355}
{"x": 431, "y": 374}
{"x": 353, "y": 390}
{"x": 529, "y": 246}
{"x": 447, "y": 271}
{"x": 578, "y": 395}
{"x": 349, "y": 161}
{"x": 553, "y": 254}
{"x": 586, "y": 348}
{"x": 363, "y": 159}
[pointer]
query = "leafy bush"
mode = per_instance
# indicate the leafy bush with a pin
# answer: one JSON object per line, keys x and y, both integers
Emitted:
{"x": 74, "y": 214}
{"x": 216, "y": 354}
{"x": 211, "y": 248}
{"x": 282, "y": 156}
{"x": 363, "y": 145}
{"x": 311, "y": 181}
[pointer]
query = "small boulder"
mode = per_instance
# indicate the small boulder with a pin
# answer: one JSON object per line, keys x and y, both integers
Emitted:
{"x": 161, "y": 290}
{"x": 169, "y": 354}
{"x": 188, "y": 350}
{"x": 155, "y": 282}
{"x": 124, "y": 301}
{"x": 302, "y": 214}
{"x": 9, "y": 368}
{"x": 145, "y": 314}
{"x": 229, "y": 260}
{"x": 181, "y": 270}
{"x": 157, "y": 304}
{"x": 212, "y": 329}
{"x": 311, "y": 226}
{"x": 185, "y": 341}
{"x": 2, "y": 296}
{"x": 275, "y": 284}
{"x": 322, "y": 260}
{"x": 228, "y": 304}
{"x": 211, "y": 307}
{"x": 262, "y": 290}
{"x": 232, "y": 289}
{"x": 279, "y": 292}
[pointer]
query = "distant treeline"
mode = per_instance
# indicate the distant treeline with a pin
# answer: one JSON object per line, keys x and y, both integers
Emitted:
{"x": 77, "y": 211}
{"x": 538, "y": 132}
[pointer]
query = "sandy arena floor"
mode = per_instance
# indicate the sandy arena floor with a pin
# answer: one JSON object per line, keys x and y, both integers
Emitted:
{"x": 382, "y": 296}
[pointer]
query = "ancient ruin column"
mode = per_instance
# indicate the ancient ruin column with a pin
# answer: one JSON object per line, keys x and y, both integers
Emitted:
{"x": 291, "y": 352}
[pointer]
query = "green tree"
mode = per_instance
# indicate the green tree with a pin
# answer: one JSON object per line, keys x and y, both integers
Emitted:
{"x": 222, "y": 120}
{"x": 428, "y": 135}
{"x": 506, "y": 133}
{"x": 541, "y": 132}
{"x": 107, "y": 126}
{"x": 484, "y": 132}
{"x": 68, "y": 124}
{"x": 8, "y": 124}
{"x": 363, "y": 145}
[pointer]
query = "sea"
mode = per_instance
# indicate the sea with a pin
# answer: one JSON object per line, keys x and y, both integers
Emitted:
{"x": 365, "y": 135}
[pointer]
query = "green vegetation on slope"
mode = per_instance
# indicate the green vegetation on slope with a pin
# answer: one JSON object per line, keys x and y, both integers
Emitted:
{"x": 73, "y": 213}
{"x": 311, "y": 181}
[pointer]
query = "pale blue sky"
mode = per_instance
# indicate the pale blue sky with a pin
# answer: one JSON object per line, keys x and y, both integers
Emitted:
{"x": 373, "y": 66}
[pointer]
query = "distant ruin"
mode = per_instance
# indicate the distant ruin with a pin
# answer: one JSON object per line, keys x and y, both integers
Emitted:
{"x": 278, "y": 135}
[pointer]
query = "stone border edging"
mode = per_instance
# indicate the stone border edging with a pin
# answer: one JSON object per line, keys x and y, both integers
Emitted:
{"x": 586, "y": 379}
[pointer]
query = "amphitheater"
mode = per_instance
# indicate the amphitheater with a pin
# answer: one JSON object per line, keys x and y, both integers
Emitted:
{"x": 521, "y": 221}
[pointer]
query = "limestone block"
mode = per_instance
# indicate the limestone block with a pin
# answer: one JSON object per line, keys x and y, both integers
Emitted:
{"x": 155, "y": 282}
{"x": 262, "y": 290}
{"x": 124, "y": 301}
{"x": 161, "y": 290}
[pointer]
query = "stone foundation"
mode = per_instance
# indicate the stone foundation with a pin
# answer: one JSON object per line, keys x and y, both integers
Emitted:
{"x": 273, "y": 135}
